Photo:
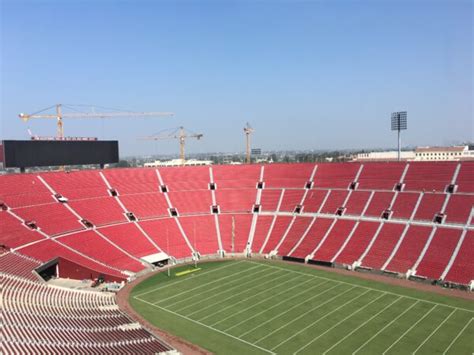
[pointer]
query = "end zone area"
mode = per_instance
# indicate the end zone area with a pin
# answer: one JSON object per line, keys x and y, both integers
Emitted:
{"x": 264, "y": 307}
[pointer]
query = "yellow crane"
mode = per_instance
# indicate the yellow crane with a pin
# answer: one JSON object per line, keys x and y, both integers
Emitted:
{"x": 79, "y": 112}
{"x": 248, "y": 130}
{"x": 176, "y": 133}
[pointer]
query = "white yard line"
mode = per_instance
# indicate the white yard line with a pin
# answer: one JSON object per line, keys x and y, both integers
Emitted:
{"x": 183, "y": 280}
{"x": 204, "y": 285}
{"x": 224, "y": 289}
{"x": 434, "y": 331}
{"x": 381, "y": 330}
{"x": 258, "y": 303}
{"x": 354, "y": 330}
{"x": 206, "y": 326}
{"x": 409, "y": 329}
{"x": 306, "y": 313}
{"x": 242, "y": 300}
{"x": 320, "y": 319}
{"x": 370, "y": 288}
{"x": 457, "y": 336}
{"x": 279, "y": 303}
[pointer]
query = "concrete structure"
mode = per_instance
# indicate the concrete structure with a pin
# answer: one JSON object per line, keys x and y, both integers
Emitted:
{"x": 421, "y": 154}
{"x": 177, "y": 162}
{"x": 389, "y": 155}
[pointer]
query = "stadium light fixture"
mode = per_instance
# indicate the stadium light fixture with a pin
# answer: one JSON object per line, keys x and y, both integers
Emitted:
{"x": 399, "y": 123}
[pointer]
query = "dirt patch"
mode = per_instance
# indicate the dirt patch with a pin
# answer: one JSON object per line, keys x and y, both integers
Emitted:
{"x": 186, "y": 347}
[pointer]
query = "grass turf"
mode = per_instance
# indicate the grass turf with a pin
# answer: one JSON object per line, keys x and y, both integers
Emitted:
{"x": 258, "y": 307}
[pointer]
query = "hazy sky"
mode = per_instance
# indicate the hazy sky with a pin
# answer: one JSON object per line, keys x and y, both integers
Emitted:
{"x": 305, "y": 74}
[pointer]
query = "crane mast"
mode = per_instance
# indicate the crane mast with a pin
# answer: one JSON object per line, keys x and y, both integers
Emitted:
{"x": 248, "y": 130}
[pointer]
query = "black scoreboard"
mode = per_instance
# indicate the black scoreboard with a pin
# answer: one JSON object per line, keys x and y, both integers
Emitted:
{"x": 31, "y": 153}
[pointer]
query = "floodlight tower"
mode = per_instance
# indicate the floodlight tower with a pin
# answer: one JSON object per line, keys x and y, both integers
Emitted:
{"x": 399, "y": 123}
{"x": 248, "y": 130}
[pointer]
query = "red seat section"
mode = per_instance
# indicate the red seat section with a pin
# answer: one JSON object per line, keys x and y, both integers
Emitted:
{"x": 357, "y": 202}
{"x": 312, "y": 239}
{"x": 236, "y": 176}
{"x": 380, "y": 176}
{"x": 379, "y": 203}
{"x": 465, "y": 179}
{"x": 146, "y": 205}
{"x": 234, "y": 235}
{"x": 269, "y": 200}
{"x": 201, "y": 233}
{"x": 13, "y": 233}
{"x": 52, "y": 218}
{"x": 462, "y": 270}
{"x": 294, "y": 234}
{"x": 383, "y": 245}
{"x": 334, "y": 201}
{"x": 129, "y": 237}
{"x": 18, "y": 190}
{"x": 261, "y": 232}
{"x": 430, "y": 205}
{"x": 93, "y": 245}
{"x": 130, "y": 181}
{"x": 77, "y": 184}
{"x": 459, "y": 208}
{"x": 291, "y": 198}
{"x": 166, "y": 234}
{"x": 358, "y": 243}
{"x": 279, "y": 229}
{"x": 190, "y": 202}
{"x": 48, "y": 249}
{"x": 186, "y": 178}
{"x": 336, "y": 175}
{"x": 427, "y": 176}
{"x": 314, "y": 199}
{"x": 99, "y": 211}
{"x": 236, "y": 200}
{"x": 410, "y": 248}
{"x": 335, "y": 240}
{"x": 439, "y": 253}
{"x": 287, "y": 175}
{"x": 405, "y": 204}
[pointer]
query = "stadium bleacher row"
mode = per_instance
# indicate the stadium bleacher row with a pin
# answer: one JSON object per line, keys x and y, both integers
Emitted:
{"x": 410, "y": 218}
{"x": 43, "y": 319}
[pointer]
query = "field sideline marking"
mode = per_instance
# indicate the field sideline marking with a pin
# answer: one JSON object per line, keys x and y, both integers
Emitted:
{"x": 227, "y": 289}
{"x": 409, "y": 329}
{"x": 229, "y": 285}
{"x": 256, "y": 304}
{"x": 206, "y": 326}
{"x": 204, "y": 285}
{"x": 434, "y": 331}
{"x": 457, "y": 336}
{"x": 325, "y": 316}
{"x": 312, "y": 309}
{"x": 242, "y": 300}
{"x": 279, "y": 303}
{"x": 231, "y": 263}
{"x": 380, "y": 331}
{"x": 371, "y": 288}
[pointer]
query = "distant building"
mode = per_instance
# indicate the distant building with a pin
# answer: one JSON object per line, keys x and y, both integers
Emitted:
{"x": 177, "y": 162}
{"x": 390, "y": 155}
{"x": 443, "y": 153}
{"x": 421, "y": 154}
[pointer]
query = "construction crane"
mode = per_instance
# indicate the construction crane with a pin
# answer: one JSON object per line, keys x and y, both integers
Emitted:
{"x": 248, "y": 130}
{"x": 59, "y": 115}
{"x": 176, "y": 133}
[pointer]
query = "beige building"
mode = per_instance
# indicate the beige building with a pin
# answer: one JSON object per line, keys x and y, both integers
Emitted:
{"x": 443, "y": 153}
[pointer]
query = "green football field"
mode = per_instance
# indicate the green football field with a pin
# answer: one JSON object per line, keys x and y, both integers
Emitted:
{"x": 258, "y": 307}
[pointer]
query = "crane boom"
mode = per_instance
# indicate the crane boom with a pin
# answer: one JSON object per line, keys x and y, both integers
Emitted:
{"x": 180, "y": 134}
{"x": 59, "y": 115}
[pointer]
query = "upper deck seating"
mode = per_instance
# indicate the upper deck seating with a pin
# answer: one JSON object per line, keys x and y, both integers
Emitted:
{"x": 241, "y": 200}
{"x": 381, "y": 176}
{"x": 334, "y": 201}
{"x": 357, "y": 202}
{"x": 77, "y": 185}
{"x": 379, "y": 203}
{"x": 186, "y": 178}
{"x": 236, "y": 176}
{"x": 99, "y": 211}
{"x": 465, "y": 180}
{"x": 131, "y": 181}
{"x": 146, "y": 205}
{"x": 314, "y": 200}
{"x": 459, "y": 208}
{"x": 428, "y": 176}
{"x": 430, "y": 205}
{"x": 405, "y": 204}
{"x": 190, "y": 202}
{"x": 287, "y": 175}
{"x": 336, "y": 176}
{"x": 19, "y": 190}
